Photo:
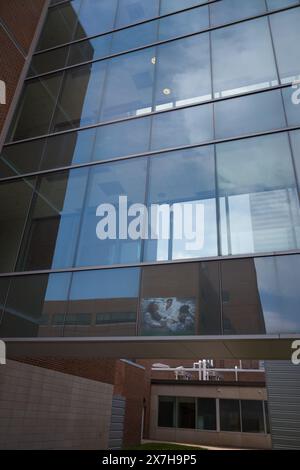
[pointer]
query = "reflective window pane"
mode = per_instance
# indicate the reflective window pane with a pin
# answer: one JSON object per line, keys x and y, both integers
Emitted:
{"x": 242, "y": 58}
{"x": 95, "y": 17}
{"x": 169, "y": 6}
{"x": 286, "y": 34}
{"x": 187, "y": 22}
{"x": 291, "y": 97}
{"x": 134, "y": 11}
{"x": 129, "y": 84}
{"x": 230, "y": 415}
{"x": 295, "y": 141}
{"x": 183, "y": 72}
{"x": 206, "y": 414}
{"x": 278, "y": 284}
{"x": 180, "y": 300}
{"x": 134, "y": 37}
{"x": 31, "y": 303}
{"x": 249, "y": 114}
{"x": 259, "y": 206}
{"x": 36, "y": 108}
{"x": 183, "y": 127}
{"x": 274, "y": 4}
{"x": 106, "y": 184}
{"x": 52, "y": 228}
{"x": 85, "y": 83}
{"x": 185, "y": 182}
{"x": 166, "y": 412}
{"x": 108, "y": 299}
{"x": 228, "y": 11}
{"x": 252, "y": 416}
{"x": 15, "y": 198}
{"x": 122, "y": 138}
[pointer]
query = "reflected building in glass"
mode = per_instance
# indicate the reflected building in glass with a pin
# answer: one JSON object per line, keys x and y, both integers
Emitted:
{"x": 167, "y": 104}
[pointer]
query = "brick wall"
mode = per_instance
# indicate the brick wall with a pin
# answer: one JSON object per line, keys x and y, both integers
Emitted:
{"x": 45, "y": 409}
{"x": 18, "y": 24}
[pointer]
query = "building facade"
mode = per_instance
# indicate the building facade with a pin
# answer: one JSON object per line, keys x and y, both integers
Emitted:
{"x": 168, "y": 107}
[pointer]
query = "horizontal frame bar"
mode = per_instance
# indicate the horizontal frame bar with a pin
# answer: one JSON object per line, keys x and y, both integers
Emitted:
{"x": 144, "y": 264}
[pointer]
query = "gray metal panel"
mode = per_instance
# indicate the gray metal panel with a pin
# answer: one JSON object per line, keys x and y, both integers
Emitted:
{"x": 271, "y": 347}
{"x": 283, "y": 385}
{"x": 117, "y": 423}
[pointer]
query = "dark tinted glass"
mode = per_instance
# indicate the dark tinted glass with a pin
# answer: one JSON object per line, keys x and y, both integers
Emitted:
{"x": 31, "y": 303}
{"x": 252, "y": 416}
{"x": 108, "y": 300}
{"x": 60, "y": 25}
{"x": 15, "y": 198}
{"x": 186, "y": 412}
{"x": 69, "y": 149}
{"x": 206, "y": 414}
{"x": 166, "y": 412}
{"x": 52, "y": 227}
{"x": 230, "y": 415}
{"x": 21, "y": 158}
{"x": 36, "y": 108}
{"x": 242, "y": 309}
{"x": 180, "y": 300}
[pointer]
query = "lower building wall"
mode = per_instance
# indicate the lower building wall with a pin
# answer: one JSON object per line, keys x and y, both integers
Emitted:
{"x": 46, "y": 409}
{"x": 211, "y": 438}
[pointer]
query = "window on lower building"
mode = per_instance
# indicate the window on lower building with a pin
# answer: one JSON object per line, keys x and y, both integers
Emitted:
{"x": 230, "y": 415}
{"x": 252, "y": 416}
{"x": 186, "y": 411}
{"x": 206, "y": 414}
{"x": 166, "y": 412}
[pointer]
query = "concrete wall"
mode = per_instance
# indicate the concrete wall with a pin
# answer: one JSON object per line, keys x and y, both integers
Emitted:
{"x": 213, "y": 438}
{"x": 45, "y": 409}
